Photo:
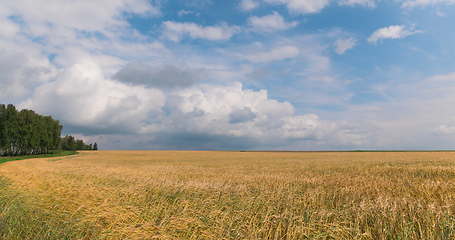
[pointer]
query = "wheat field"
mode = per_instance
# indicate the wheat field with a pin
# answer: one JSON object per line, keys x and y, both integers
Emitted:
{"x": 230, "y": 195}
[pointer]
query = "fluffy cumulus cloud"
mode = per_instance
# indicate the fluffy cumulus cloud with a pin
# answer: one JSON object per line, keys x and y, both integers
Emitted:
{"x": 206, "y": 116}
{"x": 160, "y": 106}
{"x": 223, "y": 108}
{"x": 175, "y": 31}
{"x": 85, "y": 99}
{"x": 302, "y": 6}
{"x": 239, "y": 113}
{"x": 22, "y": 71}
{"x": 270, "y": 23}
{"x": 248, "y": 5}
{"x": 128, "y": 87}
{"x": 392, "y": 32}
{"x": 42, "y": 15}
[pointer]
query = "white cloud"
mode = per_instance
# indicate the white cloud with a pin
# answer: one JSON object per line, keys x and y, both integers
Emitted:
{"x": 175, "y": 31}
{"x": 270, "y": 23}
{"x": 72, "y": 74}
{"x": 185, "y": 12}
{"x": 302, "y": 6}
{"x": 29, "y": 63}
{"x": 22, "y": 71}
{"x": 61, "y": 28}
{"x": 308, "y": 61}
{"x": 83, "y": 97}
{"x": 392, "y": 32}
{"x": 276, "y": 54}
{"x": 82, "y": 15}
{"x": 365, "y": 3}
{"x": 344, "y": 44}
{"x": 248, "y": 5}
{"x": 417, "y": 113}
{"x": 8, "y": 28}
{"x": 423, "y": 3}
{"x": 209, "y": 109}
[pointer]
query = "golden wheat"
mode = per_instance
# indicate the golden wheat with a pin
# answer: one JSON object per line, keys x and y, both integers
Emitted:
{"x": 245, "y": 195}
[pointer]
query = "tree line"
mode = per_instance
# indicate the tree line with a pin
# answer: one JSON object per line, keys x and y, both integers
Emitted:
{"x": 28, "y": 133}
{"x": 71, "y": 143}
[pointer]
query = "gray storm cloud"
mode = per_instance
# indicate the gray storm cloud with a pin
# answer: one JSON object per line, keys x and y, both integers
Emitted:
{"x": 165, "y": 76}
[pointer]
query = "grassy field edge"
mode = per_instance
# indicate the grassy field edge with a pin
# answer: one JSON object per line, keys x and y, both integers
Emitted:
{"x": 52, "y": 154}
{"x": 20, "y": 219}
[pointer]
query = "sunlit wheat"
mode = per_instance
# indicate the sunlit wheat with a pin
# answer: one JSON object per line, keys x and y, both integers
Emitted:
{"x": 242, "y": 195}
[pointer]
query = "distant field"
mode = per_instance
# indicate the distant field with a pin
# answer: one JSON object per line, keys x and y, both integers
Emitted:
{"x": 230, "y": 195}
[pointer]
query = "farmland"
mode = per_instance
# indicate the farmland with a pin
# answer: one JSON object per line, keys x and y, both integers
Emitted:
{"x": 230, "y": 195}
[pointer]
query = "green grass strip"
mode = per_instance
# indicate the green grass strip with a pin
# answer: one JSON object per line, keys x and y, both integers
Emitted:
{"x": 52, "y": 154}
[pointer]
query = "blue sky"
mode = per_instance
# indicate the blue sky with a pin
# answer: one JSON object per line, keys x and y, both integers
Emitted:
{"x": 240, "y": 74}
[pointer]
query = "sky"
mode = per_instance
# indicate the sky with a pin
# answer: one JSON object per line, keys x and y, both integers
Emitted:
{"x": 236, "y": 74}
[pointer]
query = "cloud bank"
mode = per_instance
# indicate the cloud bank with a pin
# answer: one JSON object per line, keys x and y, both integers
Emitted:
{"x": 274, "y": 74}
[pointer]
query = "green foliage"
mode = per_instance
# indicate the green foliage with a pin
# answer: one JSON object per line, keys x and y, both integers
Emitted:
{"x": 69, "y": 143}
{"x": 27, "y": 133}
